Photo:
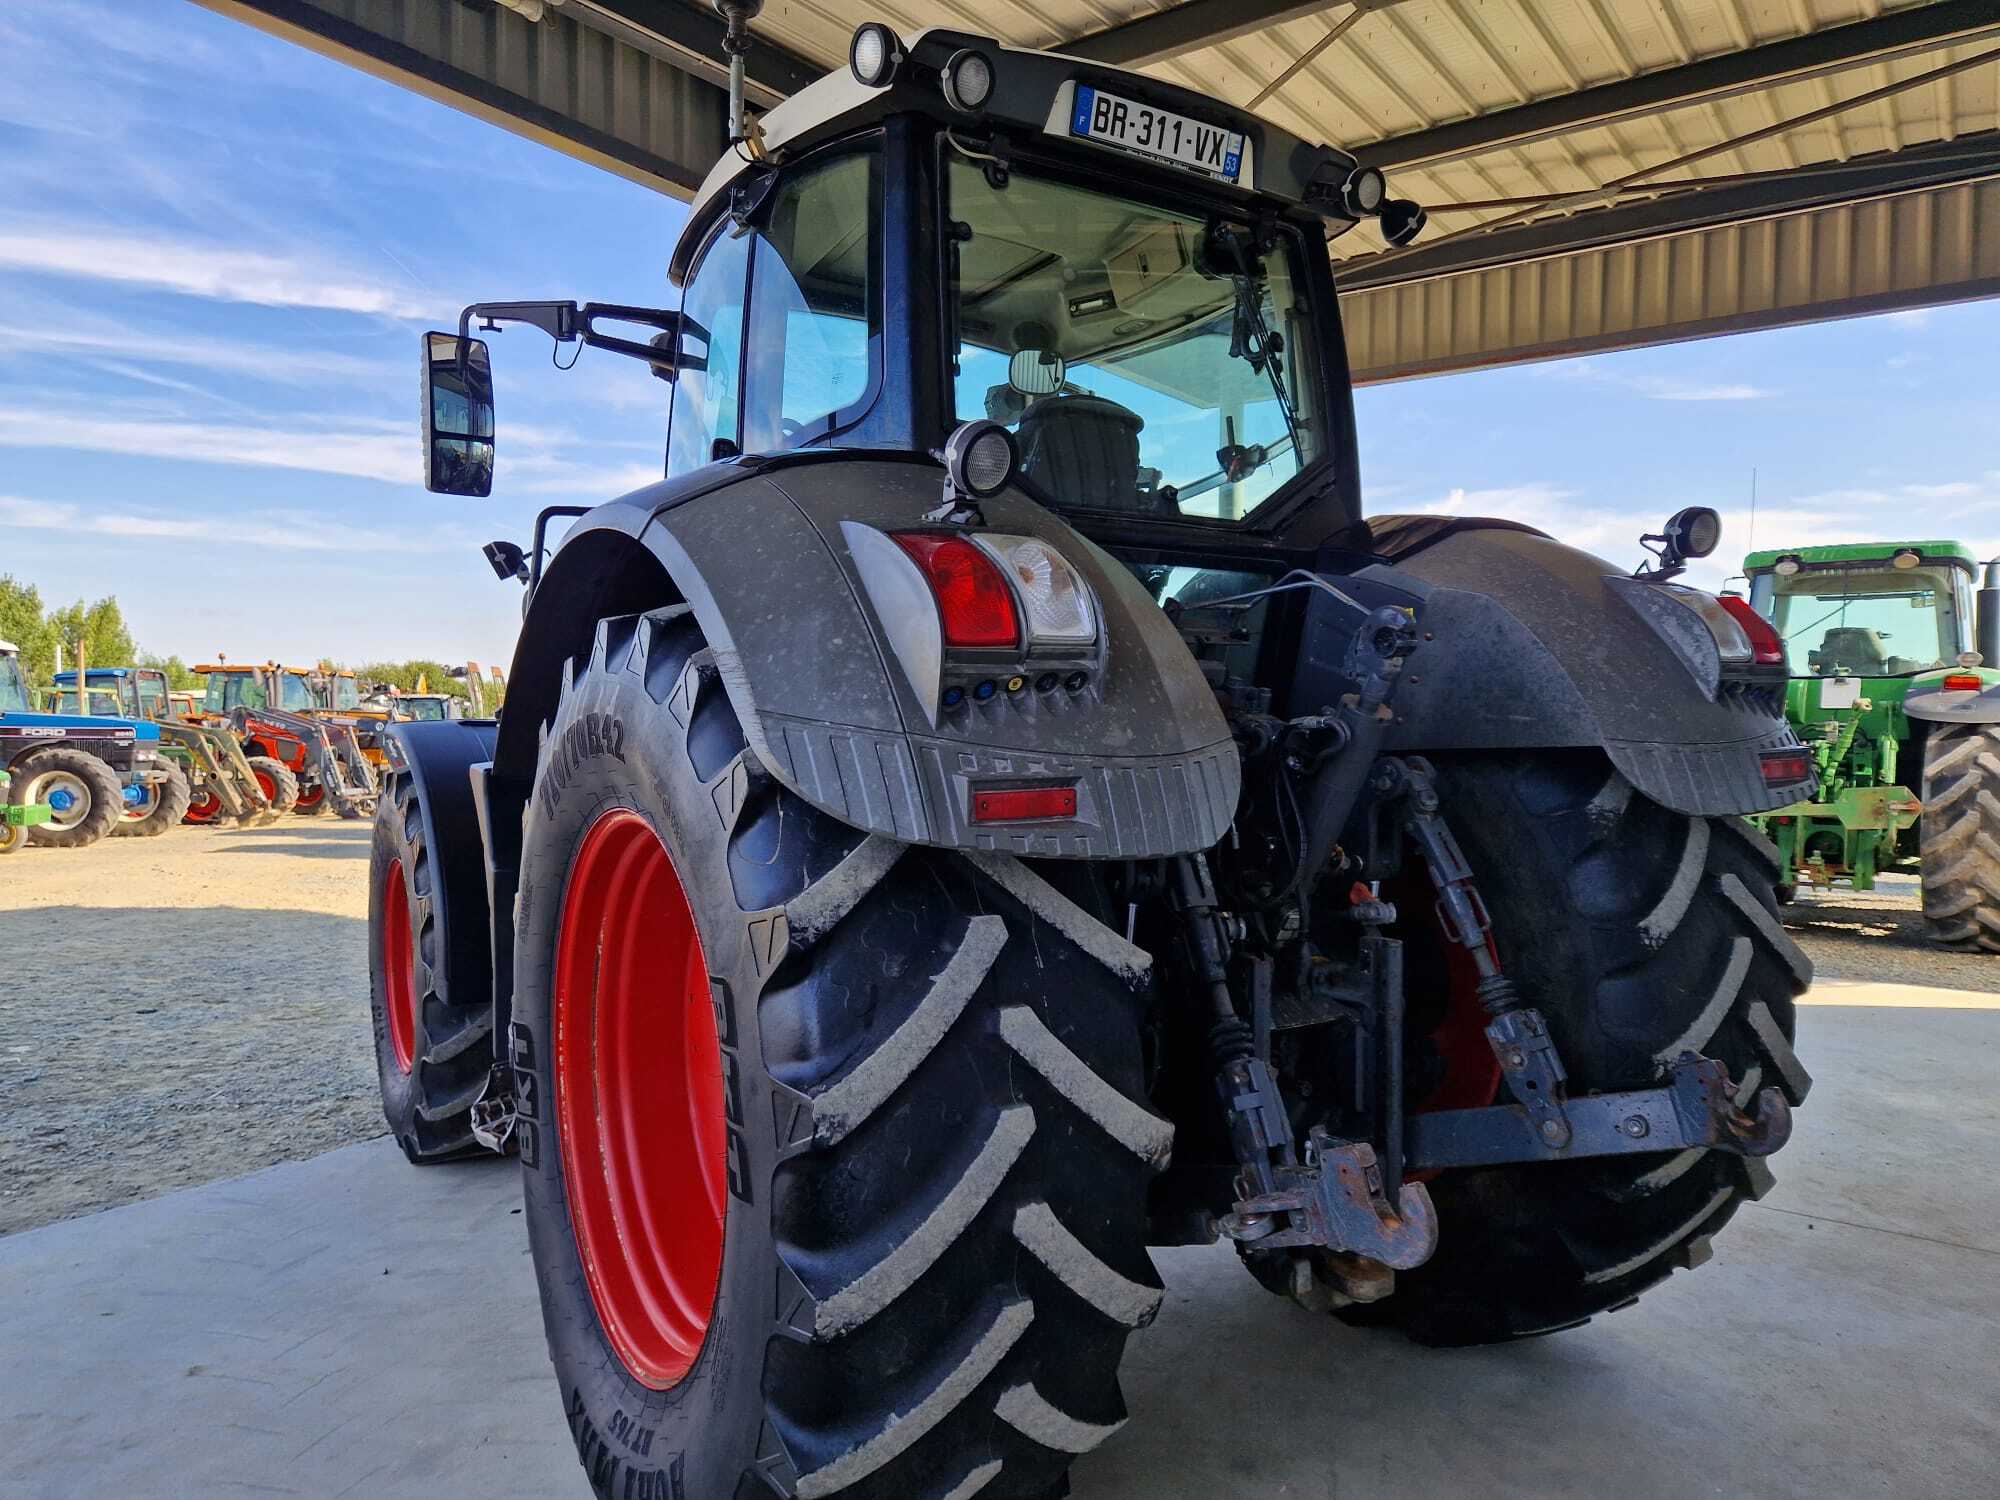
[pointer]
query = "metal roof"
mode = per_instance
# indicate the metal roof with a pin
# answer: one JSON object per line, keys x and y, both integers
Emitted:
{"x": 1599, "y": 172}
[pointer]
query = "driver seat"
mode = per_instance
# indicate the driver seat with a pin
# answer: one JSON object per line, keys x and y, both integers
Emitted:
{"x": 1083, "y": 450}
{"x": 1853, "y": 649}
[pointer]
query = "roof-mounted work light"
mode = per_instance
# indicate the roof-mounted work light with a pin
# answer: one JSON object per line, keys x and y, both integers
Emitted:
{"x": 874, "y": 55}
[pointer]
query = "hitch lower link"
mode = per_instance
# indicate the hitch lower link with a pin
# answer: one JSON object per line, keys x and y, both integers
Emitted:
{"x": 1337, "y": 1198}
{"x": 1697, "y": 1108}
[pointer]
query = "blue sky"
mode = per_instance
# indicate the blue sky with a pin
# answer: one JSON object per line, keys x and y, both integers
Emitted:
{"x": 217, "y": 251}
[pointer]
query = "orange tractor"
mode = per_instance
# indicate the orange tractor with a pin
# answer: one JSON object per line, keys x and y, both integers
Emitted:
{"x": 307, "y": 759}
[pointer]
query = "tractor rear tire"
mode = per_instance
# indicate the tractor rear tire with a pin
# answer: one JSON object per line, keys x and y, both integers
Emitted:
{"x": 1641, "y": 934}
{"x": 169, "y": 804}
{"x": 277, "y": 780}
{"x": 1960, "y": 834}
{"x": 86, "y": 779}
{"x": 834, "y": 1150}
{"x": 432, "y": 1057}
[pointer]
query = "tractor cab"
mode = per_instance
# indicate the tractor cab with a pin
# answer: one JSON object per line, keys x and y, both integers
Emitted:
{"x": 427, "y": 708}
{"x": 122, "y": 692}
{"x": 1891, "y": 652}
{"x": 231, "y": 687}
{"x": 1115, "y": 292}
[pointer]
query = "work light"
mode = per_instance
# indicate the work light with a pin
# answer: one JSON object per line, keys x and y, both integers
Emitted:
{"x": 874, "y": 55}
{"x": 968, "y": 80}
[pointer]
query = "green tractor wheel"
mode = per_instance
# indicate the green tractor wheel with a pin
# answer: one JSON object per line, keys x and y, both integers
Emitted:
{"x": 1961, "y": 836}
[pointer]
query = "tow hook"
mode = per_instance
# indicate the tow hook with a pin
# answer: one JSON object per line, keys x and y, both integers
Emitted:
{"x": 1335, "y": 1201}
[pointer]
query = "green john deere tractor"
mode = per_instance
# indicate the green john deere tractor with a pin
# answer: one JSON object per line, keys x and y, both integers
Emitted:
{"x": 1893, "y": 654}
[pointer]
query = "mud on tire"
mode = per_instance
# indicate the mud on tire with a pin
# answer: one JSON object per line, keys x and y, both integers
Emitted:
{"x": 937, "y": 1163}
{"x": 1641, "y": 934}
{"x": 1960, "y": 832}
{"x": 432, "y": 1057}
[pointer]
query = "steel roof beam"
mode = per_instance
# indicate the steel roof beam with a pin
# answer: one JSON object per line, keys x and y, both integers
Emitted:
{"x": 688, "y": 34}
{"x": 1967, "y": 159}
{"x": 1192, "y": 25}
{"x": 1835, "y": 49}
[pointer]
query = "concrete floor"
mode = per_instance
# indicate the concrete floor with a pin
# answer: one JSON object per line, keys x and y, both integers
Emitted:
{"x": 351, "y": 1326}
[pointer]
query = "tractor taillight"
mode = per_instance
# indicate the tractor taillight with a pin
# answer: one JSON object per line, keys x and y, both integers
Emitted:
{"x": 974, "y": 603}
{"x": 1058, "y": 606}
{"x": 1767, "y": 647}
{"x": 1786, "y": 767}
{"x": 1023, "y": 804}
{"x": 1963, "y": 682}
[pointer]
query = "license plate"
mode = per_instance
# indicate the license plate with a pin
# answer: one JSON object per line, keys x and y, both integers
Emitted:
{"x": 1158, "y": 133}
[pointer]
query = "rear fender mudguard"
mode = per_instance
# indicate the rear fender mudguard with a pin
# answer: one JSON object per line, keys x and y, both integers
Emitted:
{"x": 1928, "y": 702}
{"x": 760, "y": 553}
{"x": 1530, "y": 644}
{"x": 454, "y": 935}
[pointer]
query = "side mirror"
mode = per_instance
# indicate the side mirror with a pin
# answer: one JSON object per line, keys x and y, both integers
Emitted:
{"x": 458, "y": 416}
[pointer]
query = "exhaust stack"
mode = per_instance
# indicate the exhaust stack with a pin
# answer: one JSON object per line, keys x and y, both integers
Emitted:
{"x": 1988, "y": 614}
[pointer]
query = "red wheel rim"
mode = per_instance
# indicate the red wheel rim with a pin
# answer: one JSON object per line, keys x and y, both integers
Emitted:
{"x": 205, "y": 807}
{"x": 638, "y": 1099}
{"x": 270, "y": 787}
{"x": 310, "y": 798}
{"x": 399, "y": 990}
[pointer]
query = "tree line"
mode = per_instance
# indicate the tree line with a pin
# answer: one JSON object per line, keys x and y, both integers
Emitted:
{"x": 107, "y": 641}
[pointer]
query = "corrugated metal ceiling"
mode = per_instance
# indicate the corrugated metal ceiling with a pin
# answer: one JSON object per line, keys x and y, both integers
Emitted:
{"x": 1404, "y": 67}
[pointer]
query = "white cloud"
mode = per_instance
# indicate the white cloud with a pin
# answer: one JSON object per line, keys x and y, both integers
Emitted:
{"x": 217, "y": 272}
{"x": 284, "y": 530}
{"x": 365, "y": 451}
{"x": 289, "y": 365}
{"x": 1653, "y": 387}
{"x": 1669, "y": 390}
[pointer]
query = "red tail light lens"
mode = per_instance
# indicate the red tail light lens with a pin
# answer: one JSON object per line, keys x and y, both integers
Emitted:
{"x": 973, "y": 600}
{"x": 1018, "y": 804}
{"x": 1963, "y": 682}
{"x": 1783, "y": 767}
{"x": 1767, "y": 647}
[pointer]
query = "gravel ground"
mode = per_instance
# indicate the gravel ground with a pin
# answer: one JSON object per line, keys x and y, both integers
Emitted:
{"x": 180, "y": 1009}
{"x": 196, "y": 1006}
{"x": 1879, "y": 935}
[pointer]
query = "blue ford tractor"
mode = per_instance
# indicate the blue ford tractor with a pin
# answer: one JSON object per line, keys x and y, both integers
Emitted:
{"x": 85, "y": 769}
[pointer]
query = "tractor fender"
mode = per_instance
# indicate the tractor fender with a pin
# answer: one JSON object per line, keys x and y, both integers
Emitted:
{"x": 1928, "y": 702}
{"x": 762, "y": 553}
{"x": 1530, "y": 644}
{"x": 436, "y": 761}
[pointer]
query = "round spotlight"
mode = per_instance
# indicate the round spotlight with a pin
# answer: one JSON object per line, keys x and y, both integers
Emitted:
{"x": 968, "y": 80}
{"x": 1907, "y": 559}
{"x": 1971, "y": 659}
{"x": 1695, "y": 532}
{"x": 1402, "y": 221}
{"x": 1363, "y": 192}
{"x": 979, "y": 458}
{"x": 874, "y": 55}
{"x": 1787, "y": 566}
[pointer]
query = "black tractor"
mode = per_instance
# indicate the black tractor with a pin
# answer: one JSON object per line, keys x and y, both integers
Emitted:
{"x": 996, "y": 804}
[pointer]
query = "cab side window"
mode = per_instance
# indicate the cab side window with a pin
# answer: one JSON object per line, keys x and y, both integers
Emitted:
{"x": 706, "y": 421}
{"x": 812, "y": 301}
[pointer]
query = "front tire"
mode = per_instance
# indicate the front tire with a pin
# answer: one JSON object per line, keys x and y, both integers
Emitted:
{"x": 84, "y": 791}
{"x": 277, "y": 780}
{"x": 432, "y": 1057}
{"x": 1960, "y": 834}
{"x": 167, "y": 803}
{"x": 897, "y": 1087}
{"x": 1640, "y": 934}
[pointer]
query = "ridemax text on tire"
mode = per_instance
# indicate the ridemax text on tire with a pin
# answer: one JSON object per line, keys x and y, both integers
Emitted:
{"x": 1641, "y": 935}
{"x": 432, "y": 1057}
{"x": 1960, "y": 830}
{"x": 834, "y": 1157}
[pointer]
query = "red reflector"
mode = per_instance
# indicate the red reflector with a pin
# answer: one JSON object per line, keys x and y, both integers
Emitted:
{"x": 1018, "y": 804}
{"x": 1767, "y": 648}
{"x": 1783, "y": 767}
{"x": 973, "y": 600}
{"x": 1963, "y": 682}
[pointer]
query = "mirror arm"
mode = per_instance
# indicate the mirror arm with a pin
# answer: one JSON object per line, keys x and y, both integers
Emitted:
{"x": 566, "y": 322}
